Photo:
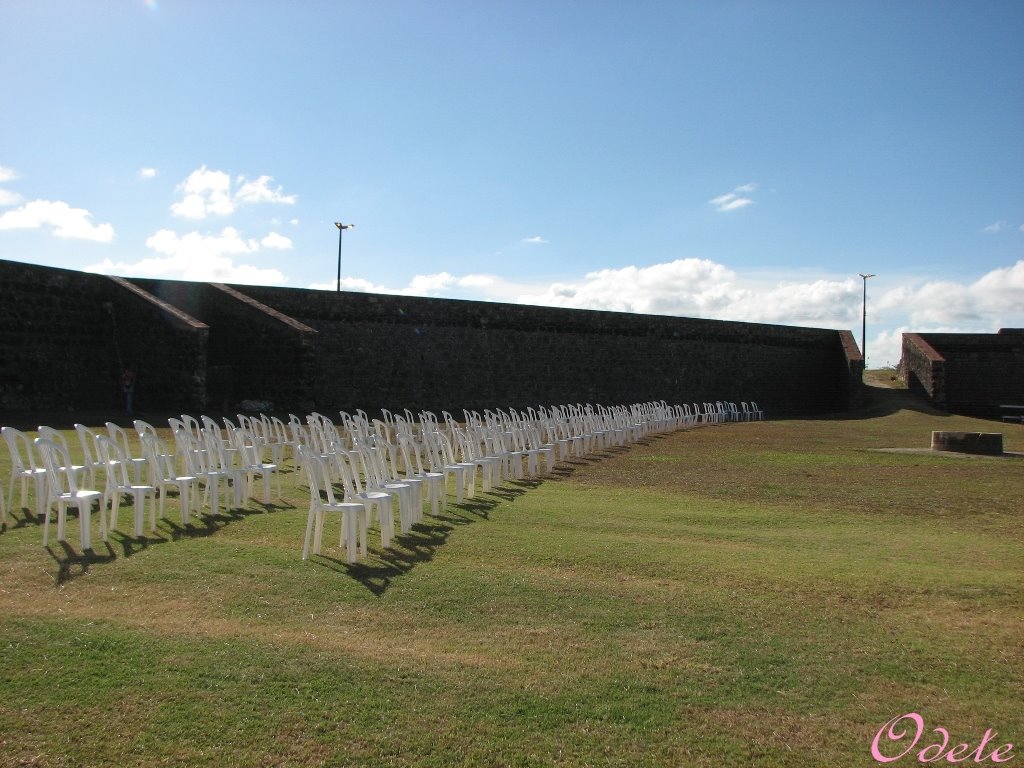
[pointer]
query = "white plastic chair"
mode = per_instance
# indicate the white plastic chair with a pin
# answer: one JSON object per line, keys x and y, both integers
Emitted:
{"x": 442, "y": 459}
{"x": 471, "y": 453}
{"x": 64, "y": 492}
{"x": 196, "y": 462}
{"x": 118, "y": 483}
{"x": 24, "y": 469}
{"x": 163, "y": 475}
{"x": 410, "y": 452}
{"x": 249, "y": 449}
{"x": 379, "y": 500}
{"x": 386, "y": 454}
{"x": 220, "y": 460}
{"x": 376, "y": 480}
{"x": 49, "y": 433}
{"x": 135, "y": 459}
{"x": 87, "y": 438}
{"x": 354, "y": 516}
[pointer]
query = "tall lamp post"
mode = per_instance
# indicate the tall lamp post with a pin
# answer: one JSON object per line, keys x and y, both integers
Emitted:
{"x": 864, "y": 320}
{"x": 341, "y": 228}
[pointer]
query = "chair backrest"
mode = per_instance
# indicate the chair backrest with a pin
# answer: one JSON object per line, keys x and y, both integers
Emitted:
{"x": 317, "y": 475}
{"x": 53, "y": 435}
{"x": 160, "y": 462}
{"x": 444, "y": 448}
{"x": 188, "y": 450}
{"x": 191, "y": 424}
{"x": 120, "y": 436}
{"x": 314, "y": 471}
{"x": 57, "y": 461}
{"x": 19, "y": 445}
{"x": 143, "y": 428}
{"x": 409, "y": 450}
{"x": 213, "y": 445}
{"x": 87, "y": 438}
{"x": 114, "y": 461}
{"x": 373, "y": 475}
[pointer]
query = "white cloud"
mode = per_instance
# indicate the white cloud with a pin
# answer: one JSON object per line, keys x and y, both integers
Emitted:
{"x": 8, "y": 198}
{"x": 438, "y": 284}
{"x": 535, "y": 239}
{"x": 274, "y": 240}
{"x": 205, "y": 192}
{"x": 61, "y": 218}
{"x": 209, "y": 193}
{"x": 703, "y": 288}
{"x": 733, "y": 201}
{"x": 199, "y": 257}
{"x": 7, "y": 174}
{"x": 994, "y": 227}
{"x": 685, "y": 287}
{"x": 886, "y": 348}
{"x": 259, "y": 191}
{"x": 994, "y": 300}
{"x": 147, "y": 173}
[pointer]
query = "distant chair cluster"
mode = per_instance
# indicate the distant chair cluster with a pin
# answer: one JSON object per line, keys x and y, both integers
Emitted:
{"x": 357, "y": 468}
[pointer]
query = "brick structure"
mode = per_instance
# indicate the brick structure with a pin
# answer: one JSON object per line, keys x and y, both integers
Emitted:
{"x": 208, "y": 346}
{"x": 967, "y": 373}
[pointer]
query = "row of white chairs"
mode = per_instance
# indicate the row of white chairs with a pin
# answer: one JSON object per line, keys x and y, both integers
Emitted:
{"x": 378, "y": 462}
{"x": 400, "y": 459}
{"x": 196, "y": 463}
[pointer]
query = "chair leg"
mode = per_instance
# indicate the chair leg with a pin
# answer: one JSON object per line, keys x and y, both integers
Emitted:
{"x": 139, "y": 512}
{"x": 85, "y": 524}
{"x": 349, "y": 522}
{"x": 364, "y": 525}
{"x": 115, "y": 507}
{"x": 309, "y": 534}
{"x": 318, "y": 532}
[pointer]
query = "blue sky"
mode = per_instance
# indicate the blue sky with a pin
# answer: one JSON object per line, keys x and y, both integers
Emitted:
{"x": 733, "y": 160}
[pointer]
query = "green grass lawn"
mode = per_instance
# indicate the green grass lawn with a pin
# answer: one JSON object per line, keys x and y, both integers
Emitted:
{"x": 763, "y": 594}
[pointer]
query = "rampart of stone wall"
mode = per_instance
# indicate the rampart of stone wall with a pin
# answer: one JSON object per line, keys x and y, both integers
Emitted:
{"x": 254, "y": 351}
{"x": 968, "y": 373}
{"x": 923, "y": 369}
{"x": 65, "y": 336}
{"x": 398, "y": 351}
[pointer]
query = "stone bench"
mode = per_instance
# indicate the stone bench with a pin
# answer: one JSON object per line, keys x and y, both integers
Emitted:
{"x": 987, "y": 443}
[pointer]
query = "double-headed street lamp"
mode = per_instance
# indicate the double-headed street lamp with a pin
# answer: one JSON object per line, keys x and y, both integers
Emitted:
{"x": 341, "y": 228}
{"x": 864, "y": 320}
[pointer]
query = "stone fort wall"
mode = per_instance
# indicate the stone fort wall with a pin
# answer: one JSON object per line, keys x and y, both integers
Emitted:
{"x": 967, "y": 373}
{"x": 65, "y": 337}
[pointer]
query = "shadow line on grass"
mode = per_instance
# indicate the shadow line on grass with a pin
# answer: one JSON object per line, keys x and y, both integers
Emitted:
{"x": 420, "y": 544}
{"x": 68, "y": 558}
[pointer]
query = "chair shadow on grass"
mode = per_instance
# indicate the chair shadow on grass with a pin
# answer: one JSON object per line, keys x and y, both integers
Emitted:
{"x": 72, "y": 564}
{"x": 68, "y": 558}
{"x": 28, "y": 518}
{"x": 420, "y": 544}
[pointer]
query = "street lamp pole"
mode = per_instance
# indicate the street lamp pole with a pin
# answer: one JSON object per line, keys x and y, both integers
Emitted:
{"x": 864, "y": 319}
{"x": 341, "y": 228}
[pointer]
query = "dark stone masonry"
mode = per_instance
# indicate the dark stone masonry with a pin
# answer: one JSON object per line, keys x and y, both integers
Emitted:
{"x": 968, "y": 373}
{"x": 66, "y": 336}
